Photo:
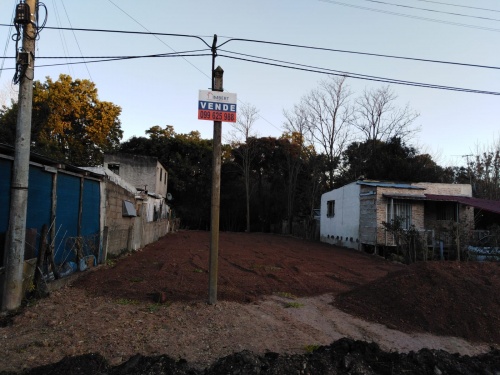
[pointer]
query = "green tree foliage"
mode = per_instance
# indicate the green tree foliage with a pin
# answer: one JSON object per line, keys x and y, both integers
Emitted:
{"x": 392, "y": 160}
{"x": 188, "y": 159}
{"x": 69, "y": 122}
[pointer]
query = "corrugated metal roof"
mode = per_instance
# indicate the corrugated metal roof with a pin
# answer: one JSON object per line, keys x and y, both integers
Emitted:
{"x": 483, "y": 204}
{"x": 390, "y": 185}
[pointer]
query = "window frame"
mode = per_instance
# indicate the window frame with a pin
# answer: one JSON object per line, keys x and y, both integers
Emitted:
{"x": 402, "y": 209}
{"x": 330, "y": 208}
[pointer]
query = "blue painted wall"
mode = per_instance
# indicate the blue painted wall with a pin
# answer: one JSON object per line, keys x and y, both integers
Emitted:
{"x": 39, "y": 201}
{"x": 67, "y": 211}
{"x": 5, "y": 176}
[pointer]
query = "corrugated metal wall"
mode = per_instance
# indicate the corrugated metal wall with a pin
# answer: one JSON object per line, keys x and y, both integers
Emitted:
{"x": 67, "y": 211}
{"x": 5, "y": 172}
{"x": 39, "y": 205}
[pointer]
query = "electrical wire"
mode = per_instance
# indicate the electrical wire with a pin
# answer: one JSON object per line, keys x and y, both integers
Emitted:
{"x": 278, "y": 44}
{"x": 61, "y": 35}
{"x": 460, "y": 6}
{"x": 298, "y": 66}
{"x": 124, "y": 57}
{"x": 76, "y": 40}
{"x": 110, "y": 58}
{"x": 132, "y": 18}
{"x": 433, "y": 10}
{"x": 7, "y": 42}
{"x": 411, "y": 16}
{"x": 359, "y": 53}
{"x": 366, "y": 77}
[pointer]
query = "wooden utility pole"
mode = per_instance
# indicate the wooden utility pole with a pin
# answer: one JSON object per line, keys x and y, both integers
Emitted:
{"x": 14, "y": 252}
{"x": 214, "y": 220}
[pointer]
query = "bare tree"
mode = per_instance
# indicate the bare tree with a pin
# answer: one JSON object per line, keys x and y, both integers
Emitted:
{"x": 297, "y": 129}
{"x": 484, "y": 171}
{"x": 328, "y": 114}
{"x": 378, "y": 118}
{"x": 296, "y": 122}
{"x": 242, "y": 142}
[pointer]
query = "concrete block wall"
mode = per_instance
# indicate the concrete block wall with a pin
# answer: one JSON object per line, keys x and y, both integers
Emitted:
{"x": 119, "y": 227}
{"x": 129, "y": 233}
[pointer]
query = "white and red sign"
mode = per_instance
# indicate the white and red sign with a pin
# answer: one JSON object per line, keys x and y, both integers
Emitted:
{"x": 217, "y": 106}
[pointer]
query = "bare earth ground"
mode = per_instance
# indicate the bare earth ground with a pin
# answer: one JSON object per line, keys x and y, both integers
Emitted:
{"x": 276, "y": 294}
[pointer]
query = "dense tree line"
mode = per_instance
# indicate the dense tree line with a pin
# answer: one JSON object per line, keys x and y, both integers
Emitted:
{"x": 330, "y": 138}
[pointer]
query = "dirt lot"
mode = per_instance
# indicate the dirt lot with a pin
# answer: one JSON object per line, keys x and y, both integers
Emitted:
{"x": 276, "y": 294}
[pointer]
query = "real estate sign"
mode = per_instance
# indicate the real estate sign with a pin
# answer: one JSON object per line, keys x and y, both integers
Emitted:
{"x": 217, "y": 106}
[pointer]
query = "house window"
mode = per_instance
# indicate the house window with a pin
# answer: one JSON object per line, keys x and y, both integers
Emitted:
{"x": 128, "y": 209}
{"x": 399, "y": 209}
{"x": 114, "y": 167}
{"x": 330, "y": 208}
{"x": 161, "y": 173}
{"x": 446, "y": 211}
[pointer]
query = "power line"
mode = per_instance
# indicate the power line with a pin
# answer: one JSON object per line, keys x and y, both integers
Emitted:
{"x": 433, "y": 10}
{"x": 121, "y": 32}
{"x": 61, "y": 34}
{"x": 132, "y": 18}
{"x": 460, "y": 6}
{"x": 294, "y": 65}
{"x": 411, "y": 16}
{"x": 7, "y": 43}
{"x": 76, "y": 40}
{"x": 366, "y": 77}
{"x": 359, "y": 53}
{"x": 278, "y": 44}
{"x": 113, "y": 58}
{"x": 273, "y": 62}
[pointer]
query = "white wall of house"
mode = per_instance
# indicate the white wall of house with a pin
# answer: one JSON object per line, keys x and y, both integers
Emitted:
{"x": 342, "y": 228}
{"x": 143, "y": 172}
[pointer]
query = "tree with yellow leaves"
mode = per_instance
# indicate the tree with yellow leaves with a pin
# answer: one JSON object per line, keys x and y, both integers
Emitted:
{"x": 69, "y": 122}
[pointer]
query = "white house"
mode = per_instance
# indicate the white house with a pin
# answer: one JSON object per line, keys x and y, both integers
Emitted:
{"x": 352, "y": 216}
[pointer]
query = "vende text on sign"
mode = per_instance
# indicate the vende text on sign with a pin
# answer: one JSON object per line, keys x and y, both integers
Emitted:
{"x": 217, "y": 106}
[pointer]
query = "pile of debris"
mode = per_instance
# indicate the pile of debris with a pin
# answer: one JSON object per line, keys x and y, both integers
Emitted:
{"x": 344, "y": 356}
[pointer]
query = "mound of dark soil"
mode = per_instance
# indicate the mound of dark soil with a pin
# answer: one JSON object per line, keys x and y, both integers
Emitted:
{"x": 443, "y": 298}
{"x": 342, "y": 357}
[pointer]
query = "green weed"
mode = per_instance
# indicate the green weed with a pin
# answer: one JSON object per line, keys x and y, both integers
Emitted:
{"x": 311, "y": 348}
{"x": 286, "y": 295}
{"x": 126, "y": 301}
{"x": 294, "y": 305}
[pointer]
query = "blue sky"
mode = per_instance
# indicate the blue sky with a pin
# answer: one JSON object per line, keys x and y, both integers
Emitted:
{"x": 161, "y": 91}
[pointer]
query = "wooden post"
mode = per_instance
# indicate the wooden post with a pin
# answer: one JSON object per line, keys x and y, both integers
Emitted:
{"x": 214, "y": 220}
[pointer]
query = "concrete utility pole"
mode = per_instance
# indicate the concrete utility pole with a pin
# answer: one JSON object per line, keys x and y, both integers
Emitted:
{"x": 14, "y": 252}
{"x": 214, "y": 220}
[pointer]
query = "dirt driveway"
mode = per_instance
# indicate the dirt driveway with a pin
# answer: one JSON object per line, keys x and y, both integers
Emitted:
{"x": 276, "y": 294}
